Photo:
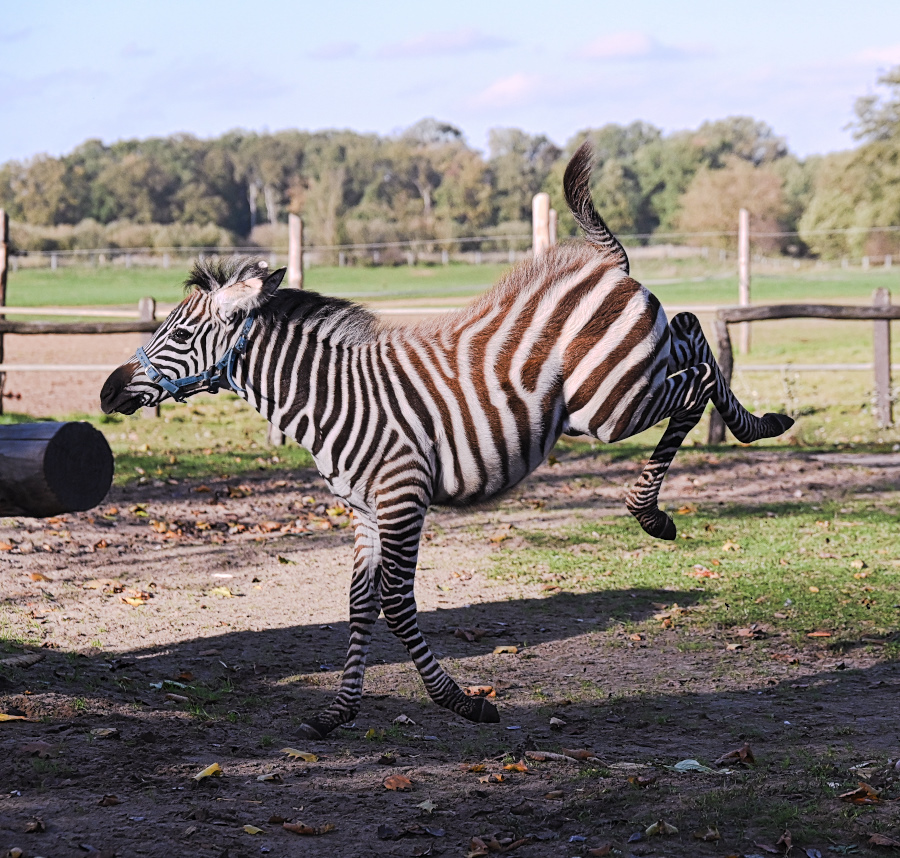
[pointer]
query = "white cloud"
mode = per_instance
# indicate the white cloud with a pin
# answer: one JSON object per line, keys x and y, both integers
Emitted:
{"x": 511, "y": 91}
{"x": 448, "y": 43}
{"x": 635, "y": 45}
{"x": 889, "y": 55}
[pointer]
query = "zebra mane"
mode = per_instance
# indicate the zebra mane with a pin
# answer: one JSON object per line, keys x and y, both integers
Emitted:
{"x": 335, "y": 319}
{"x": 211, "y": 273}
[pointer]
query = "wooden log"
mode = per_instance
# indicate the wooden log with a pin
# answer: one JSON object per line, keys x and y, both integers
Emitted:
{"x": 295, "y": 252}
{"x": 147, "y": 313}
{"x": 725, "y": 359}
{"x": 884, "y": 411}
{"x": 9, "y": 327}
{"x": 540, "y": 223}
{"x": 806, "y": 311}
{"x": 51, "y": 468}
{"x": 744, "y": 273}
{"x": 4, "y": 267}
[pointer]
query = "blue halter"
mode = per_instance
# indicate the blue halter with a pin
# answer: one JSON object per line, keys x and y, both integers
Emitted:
{"x": 208, "y": 381}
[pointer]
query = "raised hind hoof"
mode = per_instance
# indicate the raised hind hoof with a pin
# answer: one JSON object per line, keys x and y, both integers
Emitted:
{"x": 660, "y": 526}
{"x": 483, "y": 712}
{"x": 312, "y": 729}
{"x": 780, "y": 423}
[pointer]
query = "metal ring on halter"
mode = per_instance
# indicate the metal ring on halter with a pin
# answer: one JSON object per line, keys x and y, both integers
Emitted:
{"x": 208, "y": 381}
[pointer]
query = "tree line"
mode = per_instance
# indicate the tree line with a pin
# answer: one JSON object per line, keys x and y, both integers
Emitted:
{"x": 428, "y": 183}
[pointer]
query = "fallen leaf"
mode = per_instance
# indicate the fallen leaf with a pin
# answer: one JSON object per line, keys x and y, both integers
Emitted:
{"x": 214, "y": 770}
{"x": 491, "y": 779}
{"x": 863, "y": 794}
{"x": 659, "y": 828}
{"x": 600, "y": 851}
{"x": 785, "y": 841}
{"x": 403, "y": 719}
{"x": 294, "y": 754}
{"x": 884, "y": 840}
{"x": 109, "y": 801}
{"x": 387, "y": 759}
{"x": 177, "y": 698}
{"x": 105, "y": 732}
{"x": 819, "y": 635}
{"x": 224, "y": 592}
{"x": 5, "y": 717}
{"x": 580, "y": 754}
{"x": 642, "y": 780}
{"x": 516, "y": 767}
{"x": 35, "y": 826}
{"x": 274, "y": 778}
{"x": 400, "y": 783}
{"x": 39, "y": 576}
{"x": 557, "y": 723}
{"x": 252, "y": 829}
{"x": 474, "y": 767}
{"x": 300, "y": 828}
{"x": 501, "y": 650}
{"x": 693, "y": 766}
{"x": 6, "y": 546}
{"x": 708, "y": 836}
{"x": 428, "y": 805}
{"x": 98, "y": 584}
{"x": 741, "y": 755}
{"x": 480, "y": 691}
{"x": 857, "y": 564}
{"x": 555, "y": 795}
{"x": 728, "y": 545}
{"x": 701, "y": 572}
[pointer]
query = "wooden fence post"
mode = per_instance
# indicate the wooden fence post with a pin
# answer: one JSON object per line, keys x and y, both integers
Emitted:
{"x": 4, "y": 267}
{"x": 725, "y": 359}
{"x": 554, "y": 223}
{"x": 295, "y": 252}
{"x": 744, "y": 274}
{"x": 540, "y": 224}
{"x": 147, "y": 313}
{"x": 884, "y": 411}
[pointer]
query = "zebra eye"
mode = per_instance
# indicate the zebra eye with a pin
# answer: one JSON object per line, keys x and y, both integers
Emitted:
{"x": 181, "y": 335}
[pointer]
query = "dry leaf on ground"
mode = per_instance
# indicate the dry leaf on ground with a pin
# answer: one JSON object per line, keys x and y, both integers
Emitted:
{"x": 660, "y": 827}
{"x": 224, "y": 592}
{"x": 785, "y": 841}
{"x": 516, "y": 767}
{"x": 501, "y": 650}
{"x": 294, "y": 754}
{"x": 740, "y": 755}
{"x": 109, "y": 801}
{"x": 884, "y": 840}
{"x": 5, "y": 717}
{"x": 820, "y": 634}
{"x": 311, "y": 830}
{"x": 863, "y": 794}
{"x": 214, "y": 770}
{"x": 709, "y": 836}
{"x": 600, "y": 851}
{"x": 480, "y": 691}
{"x": 36, "y": 749}
{"x": 400, "y": 783}
{"x": 252, "y": 829}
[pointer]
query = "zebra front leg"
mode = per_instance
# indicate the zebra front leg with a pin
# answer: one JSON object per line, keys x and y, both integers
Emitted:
{"x": 364, "y": 608}
{"x": 400, "y": 529}
{"x": 683, "y": 399}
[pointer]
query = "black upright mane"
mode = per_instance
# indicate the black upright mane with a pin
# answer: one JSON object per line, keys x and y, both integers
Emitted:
{"x": 333, "y": 318}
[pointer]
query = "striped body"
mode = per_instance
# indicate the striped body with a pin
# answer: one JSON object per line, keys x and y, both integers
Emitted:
{"x": 477, "y": 399}
{"x": 453, "y": 411}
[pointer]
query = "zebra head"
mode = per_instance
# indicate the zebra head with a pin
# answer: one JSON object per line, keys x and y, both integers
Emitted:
{"x": 195, "y": 347}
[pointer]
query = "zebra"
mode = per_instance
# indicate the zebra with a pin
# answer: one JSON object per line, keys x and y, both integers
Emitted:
{"x": 454, "y": 411}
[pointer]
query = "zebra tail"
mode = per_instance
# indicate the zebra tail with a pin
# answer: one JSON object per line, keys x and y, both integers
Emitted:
{"x": 576, "y": 184}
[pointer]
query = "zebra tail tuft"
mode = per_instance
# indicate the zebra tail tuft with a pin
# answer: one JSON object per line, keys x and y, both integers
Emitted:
{"x": 577, "y": 186}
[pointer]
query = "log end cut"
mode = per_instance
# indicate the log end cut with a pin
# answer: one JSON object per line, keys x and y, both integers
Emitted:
{"x": 51, "y": 468}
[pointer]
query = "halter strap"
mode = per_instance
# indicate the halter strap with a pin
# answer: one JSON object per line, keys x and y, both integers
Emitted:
{"x": 208, "y": 381}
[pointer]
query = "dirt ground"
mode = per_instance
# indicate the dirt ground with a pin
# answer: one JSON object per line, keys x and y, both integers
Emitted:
{"x": 237, "y": 628}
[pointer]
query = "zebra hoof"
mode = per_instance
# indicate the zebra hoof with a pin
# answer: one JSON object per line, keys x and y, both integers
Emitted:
{"x": 660, "y": 526}
{"x": 483, "y": 712}
{"x": 311, "y": 729}
{"x": 780, "y": 423}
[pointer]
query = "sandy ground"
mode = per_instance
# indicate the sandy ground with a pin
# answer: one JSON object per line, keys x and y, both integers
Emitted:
{"x": 273, "y": 643}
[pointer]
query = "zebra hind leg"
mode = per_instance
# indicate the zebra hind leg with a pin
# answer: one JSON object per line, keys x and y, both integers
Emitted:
{"x": 690, "y": 348}
{"x": 683, "y": 399}
{"x": 364, "y": 608}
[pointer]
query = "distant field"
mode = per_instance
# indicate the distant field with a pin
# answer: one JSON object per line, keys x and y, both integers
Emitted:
{"x": 675, "y": 282}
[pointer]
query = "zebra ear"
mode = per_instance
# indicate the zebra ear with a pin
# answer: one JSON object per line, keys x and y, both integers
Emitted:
{"x": 246, "y": 295}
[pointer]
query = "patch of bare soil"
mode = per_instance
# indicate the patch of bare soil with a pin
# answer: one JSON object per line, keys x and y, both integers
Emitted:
{"x": 181, "y": 626}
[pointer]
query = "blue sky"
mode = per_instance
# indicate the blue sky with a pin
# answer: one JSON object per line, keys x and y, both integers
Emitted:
{"x": 72, "y": 71}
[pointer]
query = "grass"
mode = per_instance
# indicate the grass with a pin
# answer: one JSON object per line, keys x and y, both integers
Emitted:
{"x": 792, "y": 569}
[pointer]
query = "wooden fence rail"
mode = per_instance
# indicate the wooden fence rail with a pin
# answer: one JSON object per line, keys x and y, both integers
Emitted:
{"x": 882, "y": 313}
